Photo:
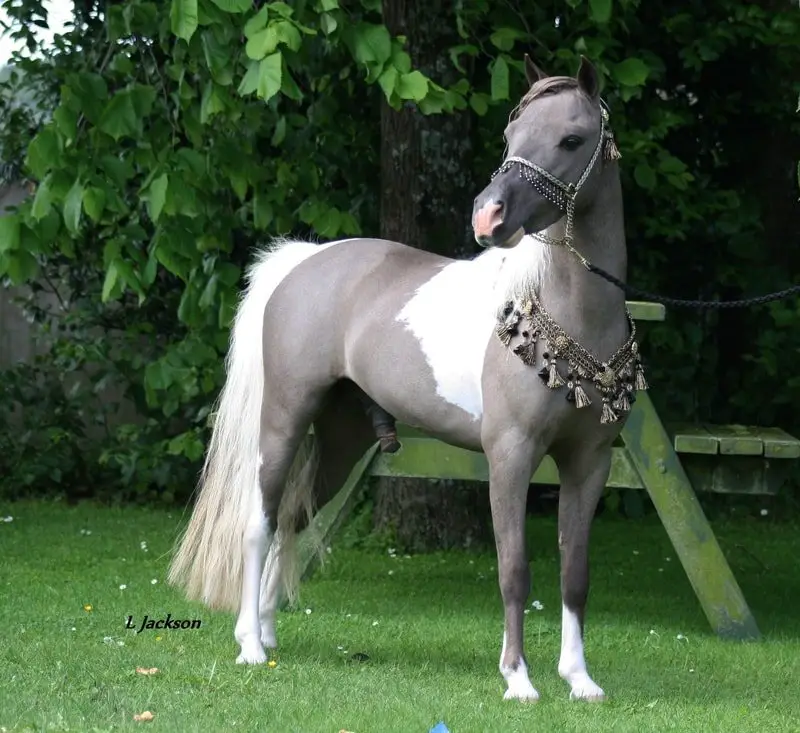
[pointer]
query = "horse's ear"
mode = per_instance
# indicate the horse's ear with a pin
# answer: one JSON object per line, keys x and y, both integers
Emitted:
{"x": 532, "y": 72}
{"x": 588, "y": 80}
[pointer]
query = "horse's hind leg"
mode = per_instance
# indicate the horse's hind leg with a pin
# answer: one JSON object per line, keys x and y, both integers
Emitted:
{"x": 343, "y": 433}
{"x": 583, "y": 476}
{"x": 282, "y": 431}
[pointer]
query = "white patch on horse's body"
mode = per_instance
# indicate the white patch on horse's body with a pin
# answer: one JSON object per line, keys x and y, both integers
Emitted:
{"x": 453, "y": 315}
{"x": 572, "y": 664}
{"x": 519, "y": 685}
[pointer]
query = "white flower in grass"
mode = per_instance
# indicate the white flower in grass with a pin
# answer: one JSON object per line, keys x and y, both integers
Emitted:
{"x": 154, "y": 581}
{"x": 681, "y": 637}
{"x": 123, "y": 586}
{"x": 86, "y": 532}
{"x": 636, "y": 552}
{"x": 9, "y": 518}
{"x": 537, "y": 605}
{"x": 308, "y": 612}
{"x": 74, "y": 629}
{"x": 764, "y": 513}
{"x": 391, "y": 572}
{"x": 374, "y": 623}
{"x": 527, "y": 611}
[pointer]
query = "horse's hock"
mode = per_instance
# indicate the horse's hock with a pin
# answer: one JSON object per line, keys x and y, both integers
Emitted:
{"x": 672, "y": 463}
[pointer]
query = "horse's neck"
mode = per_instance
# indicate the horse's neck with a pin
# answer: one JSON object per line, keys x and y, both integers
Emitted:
{"x": 582, "y": 302}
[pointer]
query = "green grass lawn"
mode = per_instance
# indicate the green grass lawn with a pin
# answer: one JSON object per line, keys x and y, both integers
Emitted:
{"x": 430, "y": 627}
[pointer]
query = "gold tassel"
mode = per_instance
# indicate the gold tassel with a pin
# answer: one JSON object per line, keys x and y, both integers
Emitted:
{"x": 610, "y": 149}
{"x": 608, "y": 415}
{"x": 640, "y": 382}
{"x": 581, "y": 398}
{"x": 622, "y": 403}
{"x": 555, "y": 381}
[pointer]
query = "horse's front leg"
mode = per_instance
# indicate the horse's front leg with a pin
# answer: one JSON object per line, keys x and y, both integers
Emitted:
{"x": 511, "y": 457}
{"x": 583, "y": 476}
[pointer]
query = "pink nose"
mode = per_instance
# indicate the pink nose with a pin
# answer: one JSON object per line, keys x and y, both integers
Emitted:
{"x": 487, "y": 219}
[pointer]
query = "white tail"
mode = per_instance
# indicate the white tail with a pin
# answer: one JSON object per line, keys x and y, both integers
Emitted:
{"x": 209, "y": 561}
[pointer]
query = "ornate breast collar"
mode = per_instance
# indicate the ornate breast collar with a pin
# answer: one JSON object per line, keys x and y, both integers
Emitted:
{"x": 616, "y": 379}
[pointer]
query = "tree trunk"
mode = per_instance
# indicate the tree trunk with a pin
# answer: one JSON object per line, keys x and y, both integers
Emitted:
{"x": 426, "y": 201}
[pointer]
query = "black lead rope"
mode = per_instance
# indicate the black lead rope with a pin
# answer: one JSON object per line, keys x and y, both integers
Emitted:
{"x": 635, "y": 293}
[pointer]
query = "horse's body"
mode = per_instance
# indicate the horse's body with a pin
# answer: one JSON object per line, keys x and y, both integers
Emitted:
{"x": 323, "y": 328}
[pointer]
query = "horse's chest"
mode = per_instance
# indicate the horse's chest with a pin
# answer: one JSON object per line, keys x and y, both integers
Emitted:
{"x": 452, "y": 317}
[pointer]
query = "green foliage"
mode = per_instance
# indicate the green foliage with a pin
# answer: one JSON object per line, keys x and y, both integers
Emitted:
{"x": 165, "y": 140}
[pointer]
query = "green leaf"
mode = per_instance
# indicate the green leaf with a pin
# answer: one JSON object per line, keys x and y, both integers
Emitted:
{"x": 412, "y": 86}
{"x": 9, "y": 232}
{"x": 110, "y": 282}
{"x": 43, "y": 152}
{"x": 212, "y": 103}
{"x": 66, "y": 120}
{"x": 269, "y": 76}
{"x": 328, "y": 5}
{"x": 503, "y": 38}
{"x": 183, "y": 18}
{"x": 257, "y": 22}
{"x": 94, "y": 201}
{"x": 262, "y": 211}
{"x": 328, "y": 23}
{"x": 645, "y": 176}
{"x": 479, "y": 103}
{"x": 600, "y": 10}
{"x": 279, "y": 134}
{"x": 499, "y": 82}
{"x": 42, "y": 201}
{"x": 218, "y": 58}
{"x": 119, "y": 117}
{"x": 157, "y": 196}
{"x": 371, "y": 43}
{"x": 262, "y": 43}
{"x": 73, "y": 204}
{"x": 388, "y": 81}
{"x": 21, "y": 267}
{"x": 632, "y": 72}
{"x": 233, "y": 6}
{"x": 249, "y": 82}
{"x": 288, "y": 34}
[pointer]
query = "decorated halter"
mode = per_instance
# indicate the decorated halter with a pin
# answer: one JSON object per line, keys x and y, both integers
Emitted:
{"x": 561, "y": 194}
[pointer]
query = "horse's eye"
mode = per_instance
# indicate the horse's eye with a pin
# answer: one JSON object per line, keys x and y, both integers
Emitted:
{"x": 571, "y": 142}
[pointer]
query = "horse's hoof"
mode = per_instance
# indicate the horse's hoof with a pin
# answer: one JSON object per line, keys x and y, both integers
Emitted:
{"x": 528, "y": 695}
{"x": 587, "y": 692}
{"x": 252, "y": 654}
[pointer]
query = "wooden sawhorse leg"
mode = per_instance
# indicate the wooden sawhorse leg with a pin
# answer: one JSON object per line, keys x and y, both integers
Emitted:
{"x": 651, "y": 451}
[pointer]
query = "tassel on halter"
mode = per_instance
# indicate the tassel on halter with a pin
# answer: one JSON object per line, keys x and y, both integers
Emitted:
{"x": 527, "y": 352}
{"x": 610, "y": 149}
{"x": 554, "y": 380}
{"x": 608, "y": 415}
{"x": 581, "y": 398}
{"x": 640, "y": 382}
{"x": 622, "y": 403}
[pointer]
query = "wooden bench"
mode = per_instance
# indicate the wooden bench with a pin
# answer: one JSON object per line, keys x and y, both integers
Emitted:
{"x": 670, "y": 464}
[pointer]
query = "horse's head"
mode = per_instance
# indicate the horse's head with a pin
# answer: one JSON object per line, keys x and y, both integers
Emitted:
{"x": 555, "y": 138}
